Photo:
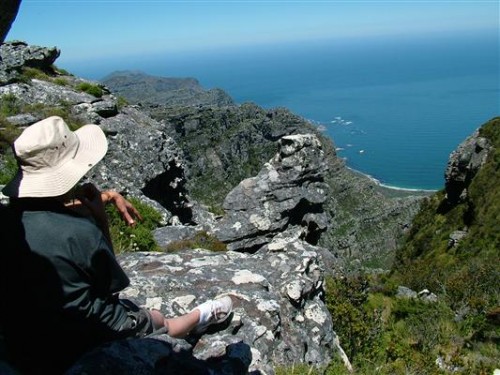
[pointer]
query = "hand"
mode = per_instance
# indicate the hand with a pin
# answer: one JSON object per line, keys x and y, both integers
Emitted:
{"x": 126, "y": 209}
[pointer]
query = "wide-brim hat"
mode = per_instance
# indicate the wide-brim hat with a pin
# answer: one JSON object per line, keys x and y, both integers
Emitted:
{"x": 52, "y": 158}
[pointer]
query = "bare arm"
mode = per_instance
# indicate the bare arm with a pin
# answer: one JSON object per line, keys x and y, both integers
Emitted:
{"x": 126, "y": 209}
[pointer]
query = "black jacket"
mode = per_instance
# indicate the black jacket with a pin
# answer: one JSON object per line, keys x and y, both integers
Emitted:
{"x": 59, "y": 284}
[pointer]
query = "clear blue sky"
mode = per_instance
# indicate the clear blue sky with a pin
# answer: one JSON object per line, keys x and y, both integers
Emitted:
{"x": 115, "y": 28}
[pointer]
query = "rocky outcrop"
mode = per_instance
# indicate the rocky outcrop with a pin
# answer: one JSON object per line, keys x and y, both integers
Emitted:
{"x": 224, "y": 145}
{"x": 17, "y": 55}
{"x": 278, "y": 318}
{"x": 277, "y": 287}
{"x": 463, "y": 164}
{"x": 288, "y": 192}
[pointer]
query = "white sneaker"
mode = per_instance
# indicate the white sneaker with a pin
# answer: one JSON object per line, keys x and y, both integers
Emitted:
{"x": 212, "y": 312}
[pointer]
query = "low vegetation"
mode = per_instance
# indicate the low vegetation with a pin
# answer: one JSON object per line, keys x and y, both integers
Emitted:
{"x": 459, "y": 332}
{"x": 90, "y": 88}
{"x": 139, "y": 237}
{"x": 201, "y": 240}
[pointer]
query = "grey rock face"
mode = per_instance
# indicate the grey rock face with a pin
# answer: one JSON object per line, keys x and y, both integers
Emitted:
{"x": 16, "y": 55}
{"x": 278, "y": 315}
{"x": 463, "y": 165}
{"x": 289, "y": 191}
{"x": 142, "y": 160}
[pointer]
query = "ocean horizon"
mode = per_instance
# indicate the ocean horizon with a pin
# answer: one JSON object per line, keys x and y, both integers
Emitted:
{"x": 395, "y": 107}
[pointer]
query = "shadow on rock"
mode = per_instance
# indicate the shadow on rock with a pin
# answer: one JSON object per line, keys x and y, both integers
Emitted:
{"x": 160, "y": 355}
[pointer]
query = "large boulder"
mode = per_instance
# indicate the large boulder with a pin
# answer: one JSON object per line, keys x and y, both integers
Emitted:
{"x": 16, "y": 55}
{"x": 287, "y": 193}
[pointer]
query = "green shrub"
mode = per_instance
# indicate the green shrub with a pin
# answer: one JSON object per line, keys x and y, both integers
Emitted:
{"x": 387, "y": 335}
{"x": 297, "y": 369}
{"x": 92, "y": 89}
{"x": 357, "y": 326}
{"x": 8, "y": 133}
{"x": 61, "y": 71}
{"x": 61, "y": 81}
{"x": 9, "y": 105}
{"x": 138, "y": 237}
{"x": 34, "y": 73}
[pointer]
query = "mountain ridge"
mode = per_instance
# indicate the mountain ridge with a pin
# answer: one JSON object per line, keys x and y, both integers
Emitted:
{"x": 139, "y": 87}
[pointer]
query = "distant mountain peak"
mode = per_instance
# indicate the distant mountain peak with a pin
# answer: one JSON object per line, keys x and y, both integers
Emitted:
{"x": 139, "y": 87}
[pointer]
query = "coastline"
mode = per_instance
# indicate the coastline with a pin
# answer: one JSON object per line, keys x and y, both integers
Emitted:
{"x": 407, "y": 191}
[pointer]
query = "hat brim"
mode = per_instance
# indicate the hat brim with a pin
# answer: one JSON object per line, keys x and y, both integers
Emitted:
{"x": 59, "y": 180}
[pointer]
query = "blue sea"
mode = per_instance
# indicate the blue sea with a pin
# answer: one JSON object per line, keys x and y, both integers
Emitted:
{"x": 395, "y": 107}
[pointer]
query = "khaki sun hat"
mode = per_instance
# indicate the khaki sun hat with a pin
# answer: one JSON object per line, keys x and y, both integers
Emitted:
{"x": 52, "y": 159}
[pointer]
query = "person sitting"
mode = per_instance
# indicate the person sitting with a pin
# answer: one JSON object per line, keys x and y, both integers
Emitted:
{"x": 59, "y": 274}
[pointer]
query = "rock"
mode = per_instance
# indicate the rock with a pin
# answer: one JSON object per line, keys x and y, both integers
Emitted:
{"x": 463, "y": 164}
{"x": 288, "y": 192}
{"x": 279, "y": 316}
{"x": 426, "y": 296}
{"x": 456, "y": 237}
{"x": 404, "y": 292}
{"x": 16, "y": 55}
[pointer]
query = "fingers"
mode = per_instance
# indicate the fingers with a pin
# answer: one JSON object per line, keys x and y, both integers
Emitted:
{"x": 128, "y": 219}
{"x": 134, "y": 211}
{"x": 128, "y": 212}
{"x": 126, "y": 209}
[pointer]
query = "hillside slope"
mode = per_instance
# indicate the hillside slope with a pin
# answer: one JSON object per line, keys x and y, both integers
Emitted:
{"x": 454, "y": 243}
